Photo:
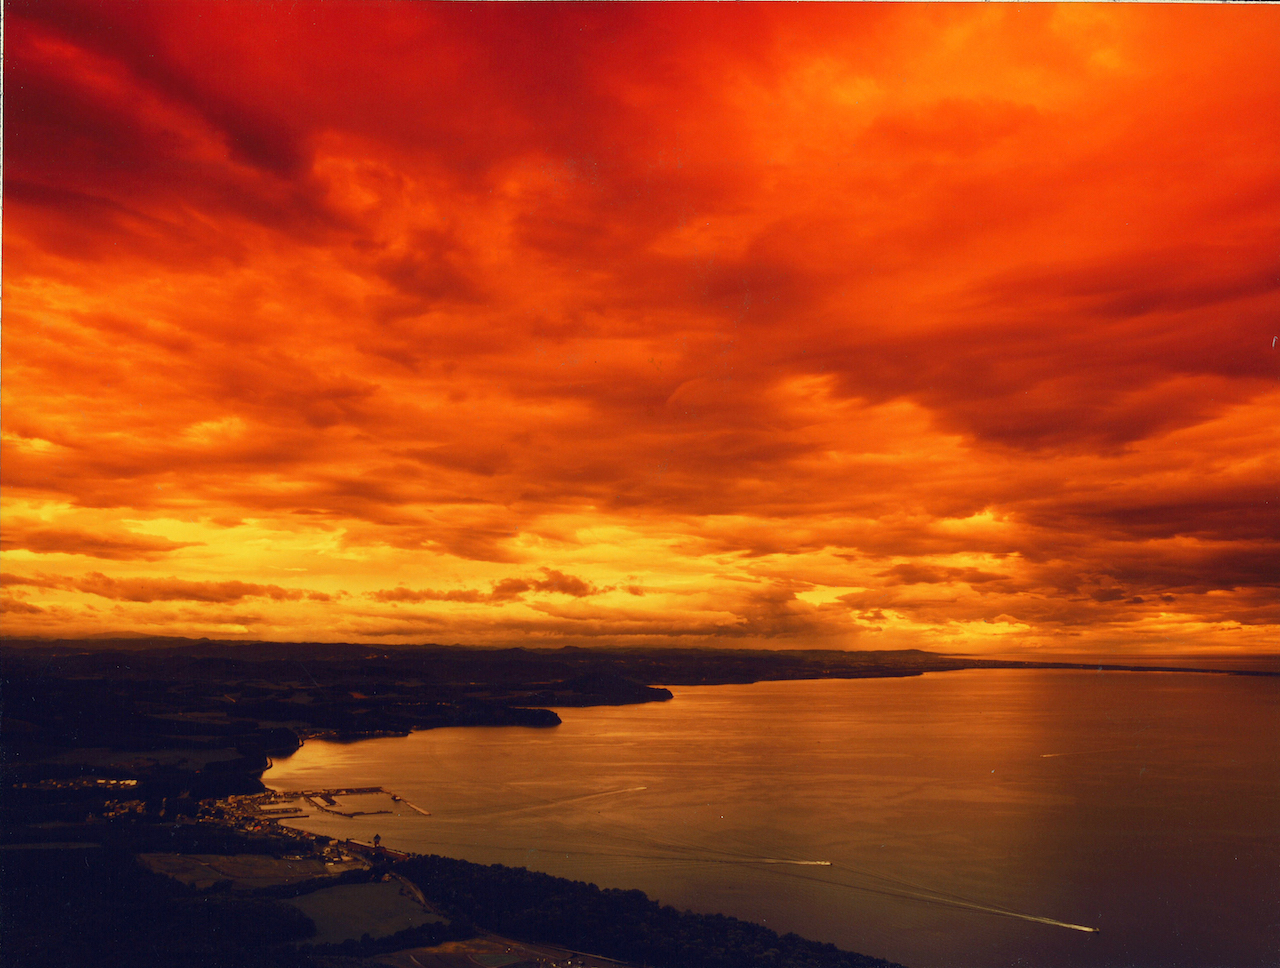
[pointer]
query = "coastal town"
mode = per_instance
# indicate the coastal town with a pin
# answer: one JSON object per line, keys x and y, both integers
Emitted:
{"x": 343, "y": 887}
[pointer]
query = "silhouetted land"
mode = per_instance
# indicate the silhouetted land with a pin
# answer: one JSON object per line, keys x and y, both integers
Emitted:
{"x": 92, "y": 903}
{"x": 127, "y": 745}
{"x": 189, "y": 720}
{"x": 625, "y": 925}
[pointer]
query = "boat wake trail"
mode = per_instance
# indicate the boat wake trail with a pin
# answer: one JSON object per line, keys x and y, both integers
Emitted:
{"x": 875, "y": 882}
{"x": 648, "y": 848}
{"x": 1114, "y": 749}
{"x": 798, "y": 863}
{"x": 547, "y": 804}
{"x": 893, "y": 887}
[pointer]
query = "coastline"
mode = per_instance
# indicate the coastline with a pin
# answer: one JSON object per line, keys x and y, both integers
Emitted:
{"x": 558, "y": 822}
{"x": 167, "y": 756}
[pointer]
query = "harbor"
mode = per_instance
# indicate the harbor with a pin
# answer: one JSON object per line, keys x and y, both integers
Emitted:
{"x": 253, "y": 811}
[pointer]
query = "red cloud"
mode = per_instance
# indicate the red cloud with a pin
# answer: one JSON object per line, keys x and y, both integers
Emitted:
{"x": 506, "y": 590}
{"x": 912, "y": 574}
{"x": 166, "y": 589}
{"x": 657, "y": 297}
{"x": 116, "y": 547}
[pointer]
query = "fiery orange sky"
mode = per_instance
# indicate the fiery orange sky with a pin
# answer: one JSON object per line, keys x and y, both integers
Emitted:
{"x": 809, "y": 325}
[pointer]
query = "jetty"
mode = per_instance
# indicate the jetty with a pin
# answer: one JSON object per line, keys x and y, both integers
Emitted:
{"x": 411, "y": 806}
{"x": 326, "y": 801}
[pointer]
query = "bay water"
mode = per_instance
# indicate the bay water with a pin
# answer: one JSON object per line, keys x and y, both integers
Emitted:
{"x": 970, "y": 819}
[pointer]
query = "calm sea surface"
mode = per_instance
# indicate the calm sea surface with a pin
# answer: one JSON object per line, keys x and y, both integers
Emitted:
{"x": 954, "y": 810}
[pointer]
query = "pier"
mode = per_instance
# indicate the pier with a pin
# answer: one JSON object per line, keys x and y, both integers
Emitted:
{"x": 326, "y": 802}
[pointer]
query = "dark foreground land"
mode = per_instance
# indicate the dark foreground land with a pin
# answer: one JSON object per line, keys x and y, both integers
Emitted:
{"x": 114, "y": 751}
{"x": 93, "y": 897}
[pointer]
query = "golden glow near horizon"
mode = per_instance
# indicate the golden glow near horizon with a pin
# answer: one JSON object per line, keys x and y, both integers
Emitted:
{"x": 827, "y": 326}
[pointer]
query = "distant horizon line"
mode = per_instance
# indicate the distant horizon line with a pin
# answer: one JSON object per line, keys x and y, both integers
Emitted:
{"x": 106, "y": 637}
